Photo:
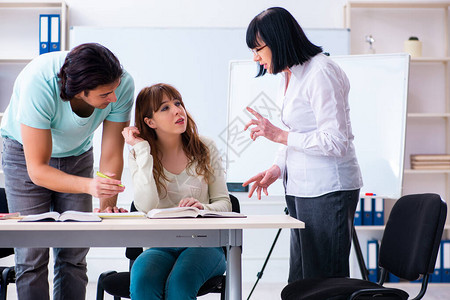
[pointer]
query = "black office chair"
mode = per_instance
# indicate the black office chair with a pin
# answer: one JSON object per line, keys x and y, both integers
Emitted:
{"x": 117, "y": 284}
{"x": 408, "y": 250}
{"x": 8, "y": 274}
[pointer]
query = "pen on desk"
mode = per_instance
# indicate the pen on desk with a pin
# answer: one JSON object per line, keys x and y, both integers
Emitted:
{"x": 100, "y": 174}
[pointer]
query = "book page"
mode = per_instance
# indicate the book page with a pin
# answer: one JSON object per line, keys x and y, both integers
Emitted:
{"x": 173, "y": 212}
{"x": 48, "y": 216}
{"x": 134, "y": 214}
{"x": 220, "y": 214}
{"x": 72, "y": 215}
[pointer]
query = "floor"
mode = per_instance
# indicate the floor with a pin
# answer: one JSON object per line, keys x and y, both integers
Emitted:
{"x": 269, "y": 291}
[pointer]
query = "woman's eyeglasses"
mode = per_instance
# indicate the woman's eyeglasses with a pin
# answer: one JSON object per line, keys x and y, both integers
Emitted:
{"x": 256, "y": 50}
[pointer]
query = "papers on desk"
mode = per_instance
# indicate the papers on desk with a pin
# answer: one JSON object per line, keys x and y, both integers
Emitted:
{"x": 190, "y": 212}
{"x": 4, "y": 216}
{"x": 70, "y": 215}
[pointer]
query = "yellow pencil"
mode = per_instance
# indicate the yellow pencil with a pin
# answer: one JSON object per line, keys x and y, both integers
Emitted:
{"x": 100, "y": 174}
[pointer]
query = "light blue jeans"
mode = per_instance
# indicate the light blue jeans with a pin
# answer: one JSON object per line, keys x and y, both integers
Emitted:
{"x": 322, "y": 248}
{"x": 174, "y": 273}
{"x": 27, "y": 198}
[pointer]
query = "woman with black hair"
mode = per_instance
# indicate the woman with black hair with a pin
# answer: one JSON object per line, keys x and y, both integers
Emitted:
{"x": 316, "y": 158}
{"x": 58, "y": 101}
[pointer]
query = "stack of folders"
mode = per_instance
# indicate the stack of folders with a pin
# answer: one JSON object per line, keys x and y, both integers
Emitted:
{"x": 441, "y": 270}
{"x": 430, "y": 161}
{"x": 49, "y": 33}
{"x": 369, "y": 211}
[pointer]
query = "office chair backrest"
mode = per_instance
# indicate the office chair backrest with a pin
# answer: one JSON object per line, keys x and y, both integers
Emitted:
{"x": 3, "y": 202}
{"x": 412, "y": 235}
{"x": 235, "y": 207}
{"x": 4, "y": 209}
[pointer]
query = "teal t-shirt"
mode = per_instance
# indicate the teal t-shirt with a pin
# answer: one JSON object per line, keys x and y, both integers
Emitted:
{"x": 36, "y": 102}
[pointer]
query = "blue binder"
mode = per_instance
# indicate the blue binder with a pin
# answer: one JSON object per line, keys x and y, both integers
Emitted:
{"x": 393, "y": 278}
{"x": 372, "y": 260}
{"x": 378, "y": 211}
{"x": 55, "y": 33}
{"x": 445, "y": 252}
{"x": 368, "y": 212}
{"x": 358, "y": 213}
{"x": 436, "y": 276}
{"x": 44, "y": 29}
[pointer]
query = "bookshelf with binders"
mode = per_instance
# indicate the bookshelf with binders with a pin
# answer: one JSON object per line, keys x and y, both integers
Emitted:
{"x": 390, "y": 24}
{"x": 20, "y": 39}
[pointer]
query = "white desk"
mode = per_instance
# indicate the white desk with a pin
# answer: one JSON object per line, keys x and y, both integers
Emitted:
{"x": 200, "y": 232}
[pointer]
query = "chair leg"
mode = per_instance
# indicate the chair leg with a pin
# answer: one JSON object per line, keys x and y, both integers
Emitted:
{"x": 5, "y": 281}
{"x": 100, "y": 290}
{"x": 222, "y": 293}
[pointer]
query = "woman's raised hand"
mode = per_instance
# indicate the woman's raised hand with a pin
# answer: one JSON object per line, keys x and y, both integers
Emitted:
{"x": 131, "y": 135}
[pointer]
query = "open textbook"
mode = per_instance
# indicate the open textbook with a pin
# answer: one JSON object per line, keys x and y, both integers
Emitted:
{"x": 69, "y": 215}
{"x": 190, "y": 212}
{"x": 133, "y": 214}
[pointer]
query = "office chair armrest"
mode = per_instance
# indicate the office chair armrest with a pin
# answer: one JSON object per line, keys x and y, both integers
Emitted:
{"x": 382, "y": 291}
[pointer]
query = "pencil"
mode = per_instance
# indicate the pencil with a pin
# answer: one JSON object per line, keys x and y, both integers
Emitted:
{"x": 100, "y": 174}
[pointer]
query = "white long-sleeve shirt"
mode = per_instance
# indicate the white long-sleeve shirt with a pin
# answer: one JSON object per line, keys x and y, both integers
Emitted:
{"x": 319, "y": 157}
{"x": 213, "y": 196}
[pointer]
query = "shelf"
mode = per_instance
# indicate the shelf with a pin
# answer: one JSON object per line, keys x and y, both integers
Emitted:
{"x": 381, "y": 4}
{"x": 369, "y": 227}
{"x": 428, "y": 115}
{"x": 414, "y": 171}
{"x": 15, "y": 60}
{"x": 32, "y": 4}
{"x": 430, "y": 59}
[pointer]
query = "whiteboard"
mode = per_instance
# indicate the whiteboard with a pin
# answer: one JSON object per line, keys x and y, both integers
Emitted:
{"x": 194, "y": 60}
{"x": 378, "y": 103}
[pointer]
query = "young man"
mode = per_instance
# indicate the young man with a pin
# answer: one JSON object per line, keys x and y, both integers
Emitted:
{"x": 58, "y": 101}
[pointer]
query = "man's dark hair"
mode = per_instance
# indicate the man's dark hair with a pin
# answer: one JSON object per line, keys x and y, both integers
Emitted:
{"x": 86, "y": 67}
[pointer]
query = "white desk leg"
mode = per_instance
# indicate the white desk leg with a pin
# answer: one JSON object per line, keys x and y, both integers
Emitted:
{"x": 234, "y": 266}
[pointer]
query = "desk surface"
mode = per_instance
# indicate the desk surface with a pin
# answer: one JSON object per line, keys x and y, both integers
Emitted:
{"x": 134, "y": 232}
{"x": 251, "y": 222}
{"x": 128, "y": 232}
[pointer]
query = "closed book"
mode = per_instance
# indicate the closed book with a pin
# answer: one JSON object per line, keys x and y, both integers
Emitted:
{"x": 372, "y": 260}
{"x": 378, "y": 213}
{"x": 430, "y": 157}
{"x": 358, "y": 214}
{"x": 445, "y": 271}
{"x": 368, "y": 212}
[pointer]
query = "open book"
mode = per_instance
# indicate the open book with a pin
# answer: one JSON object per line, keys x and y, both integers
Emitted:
{"x": 190, "y": 212}
{"x": 133, "y": 214}
{"x": 69, "y": 215}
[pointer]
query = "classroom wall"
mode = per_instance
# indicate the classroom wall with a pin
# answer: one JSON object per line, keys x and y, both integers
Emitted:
{"x": 199, "y": 13}
{"x": 210, "y": 13}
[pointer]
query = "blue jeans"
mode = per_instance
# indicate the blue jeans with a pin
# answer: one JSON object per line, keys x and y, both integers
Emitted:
{"x": 322, "y": 248}
{"x": 174, "y": 273}
{"x": 27, "y": 198}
